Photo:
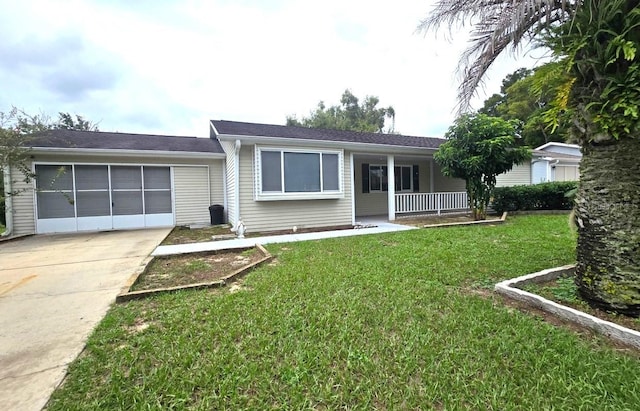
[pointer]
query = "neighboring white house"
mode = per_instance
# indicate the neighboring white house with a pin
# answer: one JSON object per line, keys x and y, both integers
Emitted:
{"x": 272, "y": 177}
{"x": 549, "y": 162}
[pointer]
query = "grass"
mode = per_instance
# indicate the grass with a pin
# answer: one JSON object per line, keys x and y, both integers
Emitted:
{"x": 395, "y": 321}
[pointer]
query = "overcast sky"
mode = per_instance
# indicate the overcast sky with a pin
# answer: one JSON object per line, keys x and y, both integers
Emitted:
{"x": 168, "y": 66}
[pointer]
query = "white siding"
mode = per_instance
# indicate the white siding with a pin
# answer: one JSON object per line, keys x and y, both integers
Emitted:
{"x": 191, "y": 188}
{"x": 23, "y": 205}
{"x": 566, "y": 173}
{"x": 519, "y": 175}
{"x": 445, "y": 184}
{"x": 229, "y": 149}
{"x": 280, "y": 215}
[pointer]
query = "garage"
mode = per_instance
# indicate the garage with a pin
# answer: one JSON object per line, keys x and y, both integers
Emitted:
{"x": 89, "y": 197}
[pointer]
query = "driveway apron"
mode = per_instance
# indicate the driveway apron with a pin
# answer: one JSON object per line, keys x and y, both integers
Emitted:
{"x": 53, "y": 291}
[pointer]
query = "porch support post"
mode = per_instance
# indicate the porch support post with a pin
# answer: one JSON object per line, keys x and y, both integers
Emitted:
{"x": 391, "y": 187}
{"x": 431, "y": 176}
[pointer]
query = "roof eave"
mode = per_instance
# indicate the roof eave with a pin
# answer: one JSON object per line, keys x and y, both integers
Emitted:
{"x": 348, "y": 145}
{"x": 128, "y": 153}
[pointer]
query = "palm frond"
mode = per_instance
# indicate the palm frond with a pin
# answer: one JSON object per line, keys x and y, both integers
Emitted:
{"x": 497, "y": 24}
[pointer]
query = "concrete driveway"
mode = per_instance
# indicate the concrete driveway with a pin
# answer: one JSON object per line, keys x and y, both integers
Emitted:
{"x": 54, "y": 289}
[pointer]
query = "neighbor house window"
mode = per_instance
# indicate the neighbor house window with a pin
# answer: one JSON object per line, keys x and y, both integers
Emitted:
{"x": 375, "y": 178}
{"x": 297, "y": 174}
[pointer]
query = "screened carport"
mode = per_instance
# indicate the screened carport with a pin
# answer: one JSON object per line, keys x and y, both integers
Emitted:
{"x": 87, "y": 197}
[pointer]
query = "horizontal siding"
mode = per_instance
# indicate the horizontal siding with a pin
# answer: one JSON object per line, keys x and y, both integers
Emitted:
{"x": 567, "y": 173}
{"x": 23, "y": 204}
{"x": 519, "y": 175}
{"x": 280, "y": 215}
{"x": 443, "y": 184}
{"x": 216, "y": 178}
{"x": 231, "y": 182}
{"x": 192, "y": 195}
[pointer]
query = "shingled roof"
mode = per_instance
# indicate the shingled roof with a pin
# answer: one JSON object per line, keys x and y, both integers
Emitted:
{"x": 236, "y": 128}
{"x": 124, "y": 141}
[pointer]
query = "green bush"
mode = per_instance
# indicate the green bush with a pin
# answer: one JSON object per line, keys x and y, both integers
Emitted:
{"x": 543, "y": 196}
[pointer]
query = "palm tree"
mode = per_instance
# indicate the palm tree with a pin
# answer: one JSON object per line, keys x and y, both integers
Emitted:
{"x": 598, "y": 41}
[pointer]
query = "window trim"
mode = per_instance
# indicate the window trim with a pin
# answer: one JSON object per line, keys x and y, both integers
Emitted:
{"x": 259, "y": 195}
{"x": 385, "y": 174}
{"x": 410, "y": 167}
{"x": 397, "y": 172}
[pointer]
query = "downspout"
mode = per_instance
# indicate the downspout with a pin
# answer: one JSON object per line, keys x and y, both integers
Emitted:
{"x": 236, "y": 176}
{"x": 552, "y": 166}
{"x": 8, "y": 203}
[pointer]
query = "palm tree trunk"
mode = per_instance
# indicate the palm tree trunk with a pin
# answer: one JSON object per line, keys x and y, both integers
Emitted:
{"x": 608, "y": 219}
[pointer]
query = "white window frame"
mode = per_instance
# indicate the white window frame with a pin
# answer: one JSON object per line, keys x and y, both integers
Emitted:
{"x": 399, "y": 173}
{"x": 382, "y": 167}
{"x": 259, "y": 195}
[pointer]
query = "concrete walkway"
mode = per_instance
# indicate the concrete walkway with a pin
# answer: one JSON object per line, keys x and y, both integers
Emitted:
{"x": 53, "y": 291}
{"x": 381, "y": 227}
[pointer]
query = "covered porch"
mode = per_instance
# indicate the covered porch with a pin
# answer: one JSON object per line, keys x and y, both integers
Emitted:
{"x": 418, "y": 186}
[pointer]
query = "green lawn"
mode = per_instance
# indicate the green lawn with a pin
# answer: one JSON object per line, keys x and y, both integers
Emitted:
{"x": 396, "y": 321}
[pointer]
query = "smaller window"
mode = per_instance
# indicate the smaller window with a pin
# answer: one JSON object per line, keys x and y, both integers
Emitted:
{"x": 403, "y": 178}
{"x": 378, "y": 179}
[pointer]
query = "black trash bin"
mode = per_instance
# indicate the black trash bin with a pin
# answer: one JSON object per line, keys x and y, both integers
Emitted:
{"x": 216, "y": 212}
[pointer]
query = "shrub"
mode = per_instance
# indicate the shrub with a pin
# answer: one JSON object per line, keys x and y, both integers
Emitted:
{"x": 543, "y": 196}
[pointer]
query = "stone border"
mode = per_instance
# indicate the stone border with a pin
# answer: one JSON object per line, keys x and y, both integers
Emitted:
{"x": 493, "y": 221}
{"x": 126, "y": 295}
{"x": 614, "y": 331}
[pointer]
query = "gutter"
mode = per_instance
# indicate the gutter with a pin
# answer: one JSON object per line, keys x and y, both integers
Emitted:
{"x": 127, "y": 153}
{"x": 346, "y": 145}
{"x": 8, "y": 203}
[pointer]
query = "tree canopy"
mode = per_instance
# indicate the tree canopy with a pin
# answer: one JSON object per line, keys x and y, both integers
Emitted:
{"x": 526, "y": 95}
{"x": 68, "y": 122}
{"x": 479, "y": 148}
{"x": 349, "y": 115}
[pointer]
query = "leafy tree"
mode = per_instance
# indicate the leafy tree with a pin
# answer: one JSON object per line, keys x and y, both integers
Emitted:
{"x": 492, "y": 104}
{"x": 479, "y": 148}
{"x": 596, "y": 43}
{"x": 66, "y": 121}
{"x": 349, "y": 115}
{"x": 526, "y": 96}
{"x": 15, "y": 131}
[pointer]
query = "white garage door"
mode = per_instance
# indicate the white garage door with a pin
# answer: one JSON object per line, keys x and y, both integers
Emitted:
{"x": 88, "y": 197}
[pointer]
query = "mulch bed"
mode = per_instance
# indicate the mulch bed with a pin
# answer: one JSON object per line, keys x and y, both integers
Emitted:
{"x": 178, "y": 270}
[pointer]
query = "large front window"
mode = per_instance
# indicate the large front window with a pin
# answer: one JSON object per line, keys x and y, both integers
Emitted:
{"x": 297, "y": 174}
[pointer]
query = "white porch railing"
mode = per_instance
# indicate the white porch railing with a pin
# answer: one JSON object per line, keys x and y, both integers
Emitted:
{"x": 431, "y": 202}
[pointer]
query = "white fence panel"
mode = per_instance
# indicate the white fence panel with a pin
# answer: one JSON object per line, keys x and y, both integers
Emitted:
{"x": 431, "y": 202}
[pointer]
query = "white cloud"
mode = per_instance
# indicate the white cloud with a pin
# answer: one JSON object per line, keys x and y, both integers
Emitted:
{"x": 168, "y": 67}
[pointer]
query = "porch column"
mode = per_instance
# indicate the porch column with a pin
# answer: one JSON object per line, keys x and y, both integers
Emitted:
{"x": 431, "y": 177}
{"x": 391, "y": 187}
